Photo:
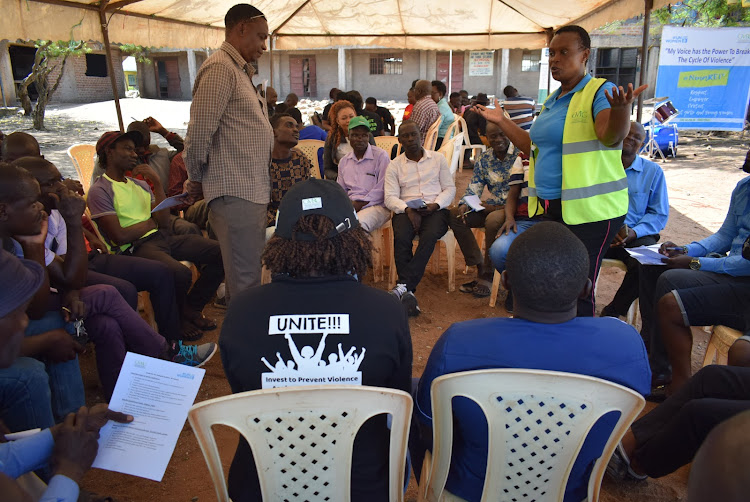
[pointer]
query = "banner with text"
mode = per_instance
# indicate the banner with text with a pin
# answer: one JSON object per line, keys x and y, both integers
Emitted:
{"x": 706, "y": 74}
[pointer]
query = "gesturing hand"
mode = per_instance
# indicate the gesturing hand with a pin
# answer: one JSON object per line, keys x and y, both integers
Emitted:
{"x": 495, "y": 115}
{"x": 620, "y": 98}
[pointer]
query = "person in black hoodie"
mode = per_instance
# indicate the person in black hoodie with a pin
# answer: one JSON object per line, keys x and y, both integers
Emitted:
{"x": 317, "y": 323}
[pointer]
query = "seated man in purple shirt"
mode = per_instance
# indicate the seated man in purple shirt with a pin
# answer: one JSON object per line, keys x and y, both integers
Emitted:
{"x": 547, "y": 270}
{"x": 362, "y": 175}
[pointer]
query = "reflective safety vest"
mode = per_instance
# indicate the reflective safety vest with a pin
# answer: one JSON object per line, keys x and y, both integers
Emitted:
{"x": 594, "y": 185}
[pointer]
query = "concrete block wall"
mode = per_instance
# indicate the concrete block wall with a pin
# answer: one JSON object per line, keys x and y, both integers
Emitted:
{"x": 76, "y": 87}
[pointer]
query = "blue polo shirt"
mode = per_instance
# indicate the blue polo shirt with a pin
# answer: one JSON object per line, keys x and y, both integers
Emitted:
{"x": 602, "y": 347}
{"x": 547, "y": 134}
{"x": 648, "y": 207}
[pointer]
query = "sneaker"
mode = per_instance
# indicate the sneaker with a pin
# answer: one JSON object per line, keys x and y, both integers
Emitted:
{"x": 194, "y": 355}
{"x": 618, "y": 467}
{"x": 409, "y": 301}
{"x": 398, "y": 291}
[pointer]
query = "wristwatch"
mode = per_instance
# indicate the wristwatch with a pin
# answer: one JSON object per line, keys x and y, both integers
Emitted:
{"x": 695, "y": 264}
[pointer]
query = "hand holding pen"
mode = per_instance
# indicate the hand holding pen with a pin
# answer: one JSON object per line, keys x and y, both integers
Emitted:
{"x": 671, "y": 249}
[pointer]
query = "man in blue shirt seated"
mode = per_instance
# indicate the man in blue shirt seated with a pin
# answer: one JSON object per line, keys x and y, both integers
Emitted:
{"x": 547, "y": 270}
{"x": 70, "y": 447}
{"x": 648, "y": 211}
{"x": 698, "y": 287}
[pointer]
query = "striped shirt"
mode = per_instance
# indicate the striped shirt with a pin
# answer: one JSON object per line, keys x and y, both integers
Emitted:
{"x": 521, "y": 110}
{"x": 229, "y": 138}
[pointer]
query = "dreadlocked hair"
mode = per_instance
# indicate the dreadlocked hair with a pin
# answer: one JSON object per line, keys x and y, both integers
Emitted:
{"x": 349, "y": 252}
{"x": 333, "y": 115}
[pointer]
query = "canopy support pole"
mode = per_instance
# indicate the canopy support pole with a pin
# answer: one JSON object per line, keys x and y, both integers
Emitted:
{"x": 270, "y": 60}
{"x": 110, "y": 66}
{"x": 649, "y": 4}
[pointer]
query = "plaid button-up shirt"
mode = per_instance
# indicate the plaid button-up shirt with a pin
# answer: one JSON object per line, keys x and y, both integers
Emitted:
{"x": 229, "y": 138}
{"x": 425, "y": 113}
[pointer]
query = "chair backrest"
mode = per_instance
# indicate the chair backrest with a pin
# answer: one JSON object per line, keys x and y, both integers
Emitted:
{"x": 82, "y": 156}
{"x": 448, "y": 148}
{"x": 538, "y": 420}
{"x": 302, "y": 437}
{"x": 463, "y": 129}
{"x": 386, "y": 143}
{"x": 310, "y": 148}
{"x": 431, "y": 136}
{"x": 454, "y": 128}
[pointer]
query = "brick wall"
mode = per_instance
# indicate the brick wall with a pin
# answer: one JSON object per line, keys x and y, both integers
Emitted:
{"x": 76, "y": 87}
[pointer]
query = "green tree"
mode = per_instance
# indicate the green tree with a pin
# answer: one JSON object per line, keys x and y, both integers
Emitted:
{"x": 49, "y": 56}
{"x": 704, "y": 13}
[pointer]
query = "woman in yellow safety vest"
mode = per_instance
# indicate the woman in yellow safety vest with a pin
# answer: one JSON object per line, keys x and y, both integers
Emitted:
{"x": 574, "y": 147}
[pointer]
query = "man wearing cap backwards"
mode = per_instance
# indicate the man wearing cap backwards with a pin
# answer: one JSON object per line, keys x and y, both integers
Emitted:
{"x": 418, "y": 189}
{"x": 362, "y": 175}
{"x": 69, "y": 447}
{"x": 122, "y": 207}
{"x": 315, "y": 324}
{"x": 228, "y": 146}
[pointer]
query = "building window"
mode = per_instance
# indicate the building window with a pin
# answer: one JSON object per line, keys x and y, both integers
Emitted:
{"x": 96, "y": 65}
{"x": 530, "y": 61}
{"x": 617, "y": 65}
{"x": 131, "y": 80}
{"x": 386, "y": 64}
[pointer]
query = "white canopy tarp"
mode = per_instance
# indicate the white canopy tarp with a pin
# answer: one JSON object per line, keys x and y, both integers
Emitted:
{"x": 309, "y": 24}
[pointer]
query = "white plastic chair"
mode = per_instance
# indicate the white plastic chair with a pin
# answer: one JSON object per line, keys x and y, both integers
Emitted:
{"x": 454, "y": 128}
{"x": 466, "y": 145}
{"x": 302, "y": 437}
{"x": 310, "y": 148}
{"x": 718, "y": 346}
{"x": 431, "y": 136}
{"x": 382, "y": 239}
{"x": 387, "y": 143}
{"x": 538, "y": 419}
{"x": 82, "y": 156}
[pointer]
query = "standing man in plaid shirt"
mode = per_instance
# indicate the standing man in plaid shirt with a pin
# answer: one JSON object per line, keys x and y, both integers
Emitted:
{"x": 228, "y": 146}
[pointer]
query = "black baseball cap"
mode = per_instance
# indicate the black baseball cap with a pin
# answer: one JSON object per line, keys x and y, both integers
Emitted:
{"x": 314, "y": 196}
{"x": 22, "y": 278}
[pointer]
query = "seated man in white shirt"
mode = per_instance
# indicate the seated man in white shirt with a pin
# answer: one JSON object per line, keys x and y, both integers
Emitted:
{"x": 418, "y": 189}
{"x": 362, "y": 175}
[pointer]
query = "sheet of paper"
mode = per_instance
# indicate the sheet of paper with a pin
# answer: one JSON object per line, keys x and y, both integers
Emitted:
{"x": 474, "y": 202}
{"x": 158, "y": 394}
{"x": 173, "y": 201}
{"x": 647, "y": 255}
{"x": 416, "y": 203}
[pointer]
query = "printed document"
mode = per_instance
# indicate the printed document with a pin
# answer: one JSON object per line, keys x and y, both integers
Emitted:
{"x": 175, "y": 200}
{"x": 647, "y": 255}
{"x": 474, "y": 203}
{"x": 158, "y": 394}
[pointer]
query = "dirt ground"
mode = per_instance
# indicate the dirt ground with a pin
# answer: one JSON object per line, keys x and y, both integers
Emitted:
{"x": 700, "y": 182}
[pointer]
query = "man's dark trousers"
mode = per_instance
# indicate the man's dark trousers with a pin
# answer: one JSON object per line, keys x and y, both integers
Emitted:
{"x": 411, "y": 266}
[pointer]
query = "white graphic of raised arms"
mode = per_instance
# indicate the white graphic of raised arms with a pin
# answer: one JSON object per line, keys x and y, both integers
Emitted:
{"x": 306, "y": 358}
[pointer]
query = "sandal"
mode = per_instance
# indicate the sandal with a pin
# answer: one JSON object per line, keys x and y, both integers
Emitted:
{"x": 468, "y": 287}
{"x": 204, "y": 323}
{"x": 482, "y": 289}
